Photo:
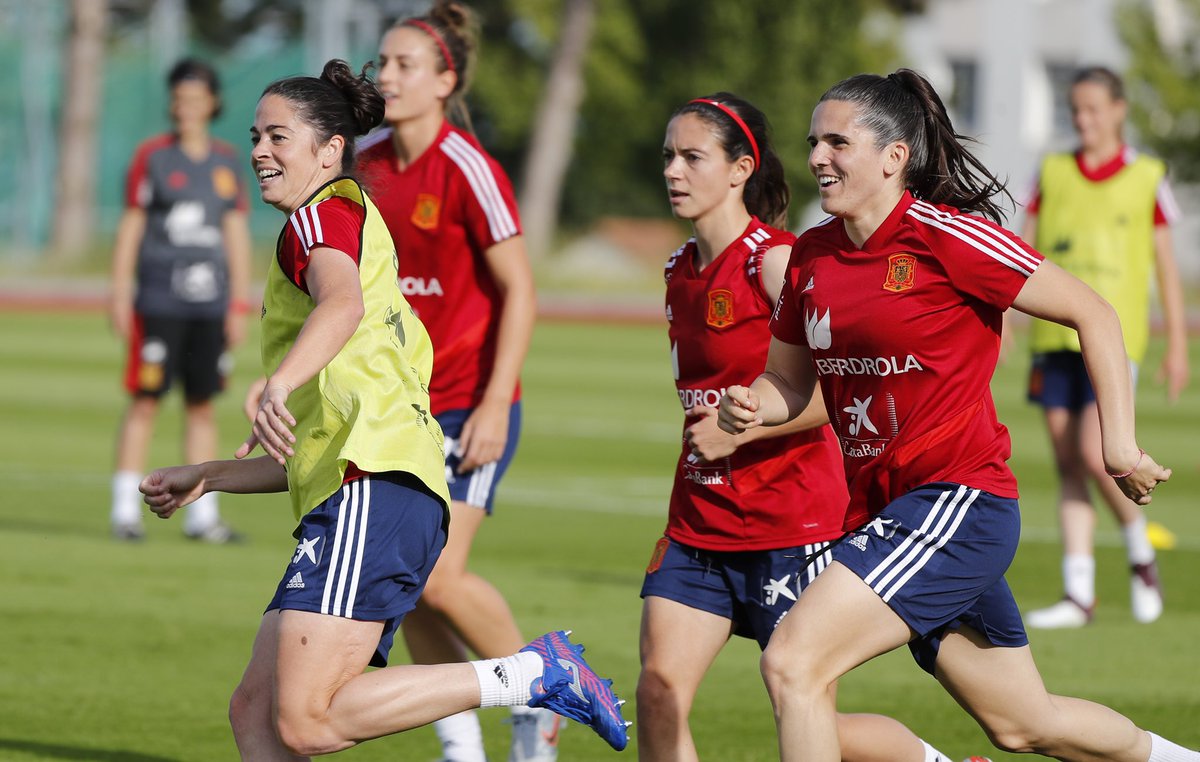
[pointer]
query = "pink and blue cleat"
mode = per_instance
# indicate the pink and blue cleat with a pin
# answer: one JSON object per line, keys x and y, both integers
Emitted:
{"x": 569, "y": 687}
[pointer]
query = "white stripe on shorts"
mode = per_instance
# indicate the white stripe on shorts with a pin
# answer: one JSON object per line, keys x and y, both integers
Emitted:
{"x": 481, "y": 485}
{"x": 916, "y": 550}
{"x": 345, "y": 565}
{"x": 819, "y": 556}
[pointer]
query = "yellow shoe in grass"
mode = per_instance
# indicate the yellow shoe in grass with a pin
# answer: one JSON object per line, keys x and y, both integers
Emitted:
{"x": 1160, "y": 537}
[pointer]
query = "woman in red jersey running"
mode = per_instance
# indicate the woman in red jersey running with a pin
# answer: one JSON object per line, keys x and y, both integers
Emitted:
{"x": 894, "y": 307}
{"x": 451, "y": 211}
{"x": 751, "y": 516}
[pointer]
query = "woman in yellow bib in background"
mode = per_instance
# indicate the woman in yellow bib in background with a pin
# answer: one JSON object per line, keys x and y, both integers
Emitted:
{"x": 1103, "y": 214}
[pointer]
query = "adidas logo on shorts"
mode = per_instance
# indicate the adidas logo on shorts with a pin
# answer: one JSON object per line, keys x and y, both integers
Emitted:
{"x": 295, "y": 583}
{"x": 859, "y": 541}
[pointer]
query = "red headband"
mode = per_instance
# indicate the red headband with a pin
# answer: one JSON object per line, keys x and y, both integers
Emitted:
{"x": 429, "y": 30}
{"x": 738, "y": 121}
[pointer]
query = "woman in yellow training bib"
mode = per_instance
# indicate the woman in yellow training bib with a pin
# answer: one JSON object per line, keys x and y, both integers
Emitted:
{"x": 1103, "y": 214}
{"x": 344, "y": 421}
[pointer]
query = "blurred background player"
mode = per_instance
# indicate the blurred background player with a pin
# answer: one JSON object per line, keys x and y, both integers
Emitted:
{"x": 1102, "y": 213}
{"x": 751, "y": 516}
{"x": 180, "y": 278}
{"x": 463, "y": 267}
{"x": 344, "y": 422}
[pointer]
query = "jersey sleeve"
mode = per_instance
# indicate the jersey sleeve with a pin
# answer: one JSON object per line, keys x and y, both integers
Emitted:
{"x": 981, "y": 259}
{"x": 787, "y": 322}
{"x": 1166, "y": 210}
{"x": 1032, "y": 199}
{"x": 488, "y": 202}
{"x": 335, "y": 223}
{"x": 137, "y": 179}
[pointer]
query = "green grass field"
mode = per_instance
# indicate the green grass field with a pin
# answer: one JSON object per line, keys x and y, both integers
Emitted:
{"x": 119, "y": 652}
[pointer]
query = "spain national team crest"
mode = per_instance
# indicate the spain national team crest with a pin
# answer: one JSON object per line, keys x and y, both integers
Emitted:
{"x": 720, "y": 308}
{"x": 426, "y": 211}
{"x": 224, "y": 182}
{"x": 902, "y": 272}
{"x": 656, "y": 558}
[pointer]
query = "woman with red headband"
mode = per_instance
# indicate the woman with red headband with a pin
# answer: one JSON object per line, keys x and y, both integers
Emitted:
{"x": 751, "y": 516}
{"x": 451, "y": 211}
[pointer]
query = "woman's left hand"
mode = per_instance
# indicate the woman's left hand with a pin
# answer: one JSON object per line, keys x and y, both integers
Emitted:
{"x": 484, "y": 435}
{"x": 705, "y": 438}
{"x": 1138, "y": 485}
{"x": 272, "y": 425}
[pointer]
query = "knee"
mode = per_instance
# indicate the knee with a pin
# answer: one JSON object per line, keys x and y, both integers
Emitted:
{"x": 246, "y": 710}
{"x": 307, "y": 735}
{"x": 788, "y": 671}
{"x": 1015, "y": 738}
{"x": 659, "y": 697}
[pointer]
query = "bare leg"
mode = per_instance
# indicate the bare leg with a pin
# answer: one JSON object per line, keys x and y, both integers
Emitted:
{"x": 1076, "y": 514}
{"x": 1003, "y": 691}
{"x": 133, "y": 437}
{"x": 875, "y": 738}
{"x": 837, "y": 624}
{"x": 304, "y": 691}
{"x": 200, "y": 431}
{"x": 1125, "y": 510}
{"x": 678, "y": 645}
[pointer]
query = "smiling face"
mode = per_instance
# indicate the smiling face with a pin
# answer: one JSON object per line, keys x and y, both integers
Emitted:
{"x": 700, "y": 177}
{"x": 855, "y": 178}
{"x": 410, "y": 75}
{"x": 1097, "y": 115}
{"x": 285, "y": 156}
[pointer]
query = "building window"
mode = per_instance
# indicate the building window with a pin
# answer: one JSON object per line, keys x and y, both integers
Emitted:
{"x": 964, "y": 98}
{"x": 1060, "y": 76}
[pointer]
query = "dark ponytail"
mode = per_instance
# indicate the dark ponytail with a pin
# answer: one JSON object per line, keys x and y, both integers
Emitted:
{"x": 904, "y": 107}
{"x": 454, "y": 32}
{"x": 766, "y": 193}
{"x": 339, "y": 102}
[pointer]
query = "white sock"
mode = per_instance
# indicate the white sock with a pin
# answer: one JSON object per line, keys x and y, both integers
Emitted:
{"x": 1137, "y": 543}
{"x": 461, "y": 737}
{"x": 932, "y": 754}
{"x": 1162, "y": 750}
{"x": 126, "y": 499}
{"x": 1079, "y": 579}
{"x": 505, "y": 682}
{"x": 202, "y": 514}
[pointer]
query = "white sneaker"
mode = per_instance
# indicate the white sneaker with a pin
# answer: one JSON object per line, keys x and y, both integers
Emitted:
{"x": 1064, "y": 614}
{"x": 535, "y": 736}
{"x": 1145, "y": 593}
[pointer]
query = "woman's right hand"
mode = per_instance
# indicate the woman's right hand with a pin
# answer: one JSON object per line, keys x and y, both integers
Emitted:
{"x": 1138, "y": 485}
{"x": 738, "y": 410}
{"x": 272, "y": 425}
{"x": 120, "y": 316}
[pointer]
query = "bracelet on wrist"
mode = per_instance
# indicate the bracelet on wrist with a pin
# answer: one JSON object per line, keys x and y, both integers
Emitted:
{"x": 1141, "y": 454}
{"x": 240, "y": 307}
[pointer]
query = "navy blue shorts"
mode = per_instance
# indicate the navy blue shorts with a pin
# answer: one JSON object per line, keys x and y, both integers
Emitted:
{"x": 478, "y": 487}
{"x": 754, "y": 589}
{"x": 937, "y": 556}
{"x": 365, "y": 553}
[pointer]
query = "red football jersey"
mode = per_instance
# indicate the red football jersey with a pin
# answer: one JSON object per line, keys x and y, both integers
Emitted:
{"x": 444, "y": 210}
{"x": 772, "y": 493}
{"x": 905, "y": 335}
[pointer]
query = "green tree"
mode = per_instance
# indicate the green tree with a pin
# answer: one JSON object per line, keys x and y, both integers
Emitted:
{"x": 1163, "y": 81}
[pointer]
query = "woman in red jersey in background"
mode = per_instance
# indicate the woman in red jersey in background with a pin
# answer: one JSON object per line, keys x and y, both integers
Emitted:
{"x": 894, "y": 307}
{"x": 451, "y": 211}
{"x": 751, "y": 516}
